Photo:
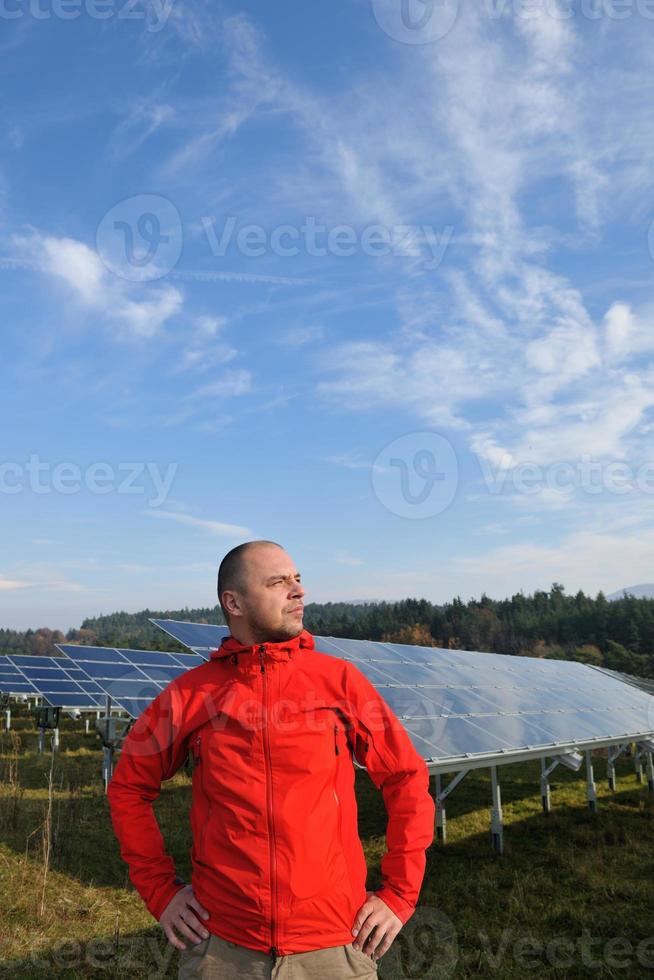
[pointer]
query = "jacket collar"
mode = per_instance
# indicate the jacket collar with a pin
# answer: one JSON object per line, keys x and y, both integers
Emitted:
{"x": 282, "y": 650}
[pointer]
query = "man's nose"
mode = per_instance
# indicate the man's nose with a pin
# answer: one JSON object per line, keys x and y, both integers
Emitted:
{"x": 298, "y": 589}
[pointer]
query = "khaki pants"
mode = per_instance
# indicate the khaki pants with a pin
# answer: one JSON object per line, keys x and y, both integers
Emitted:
{"x": 217, "y": 959}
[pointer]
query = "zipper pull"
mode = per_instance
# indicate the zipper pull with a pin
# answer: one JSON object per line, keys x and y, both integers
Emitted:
{"x": 336, "y": 740}
{"x": 262, "y": 650}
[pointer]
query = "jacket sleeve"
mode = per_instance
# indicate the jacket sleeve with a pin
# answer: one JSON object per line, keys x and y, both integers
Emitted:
{"x": 153, "y": 750}
{"x": 382, "y": 744}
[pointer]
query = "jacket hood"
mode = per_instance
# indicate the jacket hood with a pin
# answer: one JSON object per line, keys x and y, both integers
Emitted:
{"x": 282, "y": 650}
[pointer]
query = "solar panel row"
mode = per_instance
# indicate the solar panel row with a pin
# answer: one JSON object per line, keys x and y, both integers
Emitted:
{"x": 56, "y": 680}
{"x": 459, "y": 704}
{"x": 454, "y": 704}
{"x": 131, "y": 678}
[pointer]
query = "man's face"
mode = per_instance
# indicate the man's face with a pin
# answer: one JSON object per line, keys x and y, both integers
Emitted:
{"x": 270, "y": 607}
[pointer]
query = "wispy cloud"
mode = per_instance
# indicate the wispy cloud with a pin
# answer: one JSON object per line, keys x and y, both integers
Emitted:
{"x": 214, "y": 527}
{"x": 79, "y": 267}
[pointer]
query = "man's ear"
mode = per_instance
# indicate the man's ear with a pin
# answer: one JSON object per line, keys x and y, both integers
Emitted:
{"x": 231, "y": 603}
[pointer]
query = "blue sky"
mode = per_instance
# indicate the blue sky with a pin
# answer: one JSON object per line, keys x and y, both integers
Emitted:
{"x": 371, "y": 279}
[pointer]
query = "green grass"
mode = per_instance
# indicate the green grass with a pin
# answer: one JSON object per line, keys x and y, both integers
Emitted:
{"x": 566, "y": 878}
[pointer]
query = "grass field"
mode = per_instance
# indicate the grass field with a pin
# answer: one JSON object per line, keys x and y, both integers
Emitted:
{"x": 572, "y": 896}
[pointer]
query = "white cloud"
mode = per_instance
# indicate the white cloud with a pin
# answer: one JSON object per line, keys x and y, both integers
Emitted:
{"x": 345, "y": 558}
{"x": 77, "y": 265}
{"x": 238, "y": 382}
{"x": 214, "y": 527}
{"x": 584, "y": 560}
{"x": 9, "y": 585}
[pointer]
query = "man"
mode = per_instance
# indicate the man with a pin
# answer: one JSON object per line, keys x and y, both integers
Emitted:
{"x": 278, "y": 886}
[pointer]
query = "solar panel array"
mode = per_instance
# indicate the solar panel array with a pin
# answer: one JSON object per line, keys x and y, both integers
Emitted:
{"x": 642, "y": 683}
{"x": 59, "y": 682}
{"x": 202, "y": 638}
{"x": 131, "y": 678}
{"x": 458, "y": 705}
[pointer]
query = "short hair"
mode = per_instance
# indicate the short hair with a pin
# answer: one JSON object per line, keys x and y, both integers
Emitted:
{"x": 231, "y": 570}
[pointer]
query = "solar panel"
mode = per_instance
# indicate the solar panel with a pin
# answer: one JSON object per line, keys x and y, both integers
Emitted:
{"x": 131, "y": 678}
{"x": 643, "y": 683}
{"x": 202, "y": 638}
{"x": 13, "y": 681}
{"x": 460, "y": 705}
{"x": 57, "y": 681}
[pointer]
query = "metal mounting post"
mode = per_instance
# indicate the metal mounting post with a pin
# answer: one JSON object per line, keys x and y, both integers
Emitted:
{"x": 638, "y": 765}
{"x": 613, "y": 756}
{"x": 55, "y": 738}
{"x": 41, "y": 740}
{"x": 590, "y": 782}
{"x": 440, "y": 795}
{"x": 545, "y": 772}
{"x": 107, "y": 765}
{"x": 8, "y": 719}
{"x": 650, "y": 771}
{"x": 441, "y": 819}
{"x": 497, "y": 821}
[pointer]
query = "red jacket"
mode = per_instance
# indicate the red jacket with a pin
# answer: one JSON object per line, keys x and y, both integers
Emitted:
{"x": 277, "y": 859}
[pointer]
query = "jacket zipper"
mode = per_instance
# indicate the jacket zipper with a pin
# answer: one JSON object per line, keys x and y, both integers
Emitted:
{"x": 271, "y": 819}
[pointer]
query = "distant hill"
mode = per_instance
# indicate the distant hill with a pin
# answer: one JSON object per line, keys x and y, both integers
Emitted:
{"x": 640, "y": 591}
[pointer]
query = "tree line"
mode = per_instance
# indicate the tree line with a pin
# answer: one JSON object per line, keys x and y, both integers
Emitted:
{"x": 618, "y": 633}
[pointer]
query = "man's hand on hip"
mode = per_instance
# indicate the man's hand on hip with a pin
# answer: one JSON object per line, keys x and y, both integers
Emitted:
{"x": 375, "y": 927}
{"x": 183, "y": 913}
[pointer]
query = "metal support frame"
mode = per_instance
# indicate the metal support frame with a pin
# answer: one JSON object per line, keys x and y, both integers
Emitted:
{"x": 112, "y": 731}
{"x": 440, "y": 795}
{"x": 650, "y": 771}
{"x": 613, "y": 756}
{"x": 638, "y": 765}
{"x": 47, "y": 719}
{"x": 8, "y": 719}
{"x": 441, "y": 819}
{"x": 497, "y": 819}
{"x": 545, "y": 773}
{"x": 590, "y": 783}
